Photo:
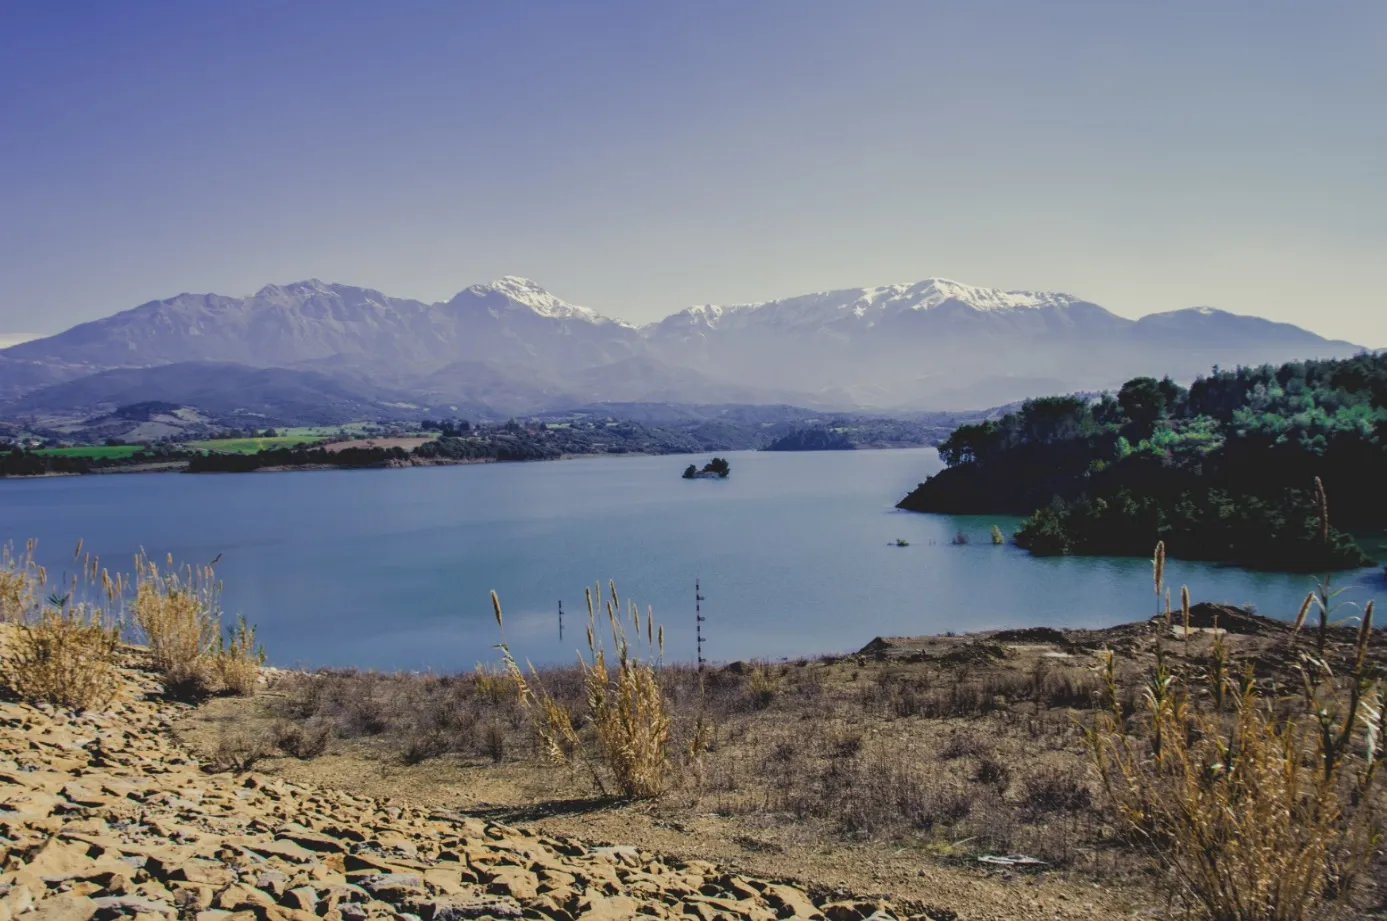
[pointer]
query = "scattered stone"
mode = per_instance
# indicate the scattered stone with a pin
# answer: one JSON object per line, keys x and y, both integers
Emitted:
{"x": 115, "y": 906}
{"x": 64, "y": 907}
{"x": 103, "y": 816}
{"x": 393, "y": 887}
{"x": 303, "y": 898}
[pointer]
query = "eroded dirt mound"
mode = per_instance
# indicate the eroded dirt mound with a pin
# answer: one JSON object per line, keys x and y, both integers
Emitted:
{"x": 1206, "y": 616}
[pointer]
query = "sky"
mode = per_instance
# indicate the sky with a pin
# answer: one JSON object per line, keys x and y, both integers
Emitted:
{"x": 641, "y": 157}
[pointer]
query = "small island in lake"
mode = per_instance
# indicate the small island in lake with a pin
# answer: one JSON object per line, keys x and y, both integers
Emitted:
{"x": 717, "y": 468}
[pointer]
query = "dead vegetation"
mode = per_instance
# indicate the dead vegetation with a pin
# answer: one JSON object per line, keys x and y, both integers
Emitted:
{"x": 961, "y": 759}
{"x": 1221, "y": 763}
{"x": 178, "y": 615}
{"x": 1254, "y": 788}
{"x": 65, "y": 657}
{"x": 627, "y": 750}
{"x": 64, "y": 640}
{"x": 951, "y": 747}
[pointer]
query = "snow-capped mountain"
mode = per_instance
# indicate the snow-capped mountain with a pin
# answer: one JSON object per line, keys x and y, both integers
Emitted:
{"x": 863, "y": 306}
{"x": 942, "y": 343}
{"x": 513, "y": 346}
{"x": 285, "y": 325}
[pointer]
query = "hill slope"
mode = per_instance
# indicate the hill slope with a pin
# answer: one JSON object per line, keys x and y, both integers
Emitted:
{"x": 514, "y": 347}
{"x": 267, "y": 396}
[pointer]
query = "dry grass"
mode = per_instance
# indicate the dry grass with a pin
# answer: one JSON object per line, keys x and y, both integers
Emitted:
{"x": 1028, "y": 741}
{"x": 949, "y": 747}
{"x": 66, "y": 657}
{"x": 178, "y": 613}
{"x": 21, "y": 581}
{"x": 927, "y": 753}
{"x": 1256, "y": 793}
{"x": 628, "y": 748}
{"x": 237, "y": 660}
{"x": 64, "y": 647}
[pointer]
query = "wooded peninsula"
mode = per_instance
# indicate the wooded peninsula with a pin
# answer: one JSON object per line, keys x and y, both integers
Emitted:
{"x": 1224, "y": 470}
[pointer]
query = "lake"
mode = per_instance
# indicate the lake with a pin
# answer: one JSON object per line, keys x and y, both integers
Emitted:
{"x": 392, "y": 568}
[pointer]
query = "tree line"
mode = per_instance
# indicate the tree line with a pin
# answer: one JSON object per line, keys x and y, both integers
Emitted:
{"x": 1222, "y": 470}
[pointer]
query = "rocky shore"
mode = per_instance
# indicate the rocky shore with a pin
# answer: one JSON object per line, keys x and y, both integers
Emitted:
{"x": 105, "y": 815}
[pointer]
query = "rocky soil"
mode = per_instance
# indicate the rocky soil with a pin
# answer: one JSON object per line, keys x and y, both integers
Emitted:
{"x": 106, "y": 815}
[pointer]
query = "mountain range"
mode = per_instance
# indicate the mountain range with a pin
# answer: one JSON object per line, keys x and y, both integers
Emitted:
{"x": 512, "y": 347}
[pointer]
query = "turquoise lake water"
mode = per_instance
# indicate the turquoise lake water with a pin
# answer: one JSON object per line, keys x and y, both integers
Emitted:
{"x": 392, "y": 568}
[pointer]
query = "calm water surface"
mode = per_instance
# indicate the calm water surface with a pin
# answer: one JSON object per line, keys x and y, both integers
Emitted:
{"x": 392, "y": 568}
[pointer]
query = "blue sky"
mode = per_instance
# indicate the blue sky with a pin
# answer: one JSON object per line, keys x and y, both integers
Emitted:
{"x": 639, "y": 157}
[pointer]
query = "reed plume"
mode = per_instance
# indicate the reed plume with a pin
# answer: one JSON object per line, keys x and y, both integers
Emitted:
{"x": 1256, "y": 808}
{"x": 66, "y": 646}
{"x": 178, "y": 612}
{"x": 629, "y": 715}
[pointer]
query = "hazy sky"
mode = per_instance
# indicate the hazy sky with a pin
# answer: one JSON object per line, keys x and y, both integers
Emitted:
{"x": 639, "y": 157}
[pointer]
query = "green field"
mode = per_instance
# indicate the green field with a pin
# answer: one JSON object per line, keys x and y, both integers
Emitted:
{"x": 251, "y": 445}
{"x": 93, "y": 451}
{"x": 318, "y": 432}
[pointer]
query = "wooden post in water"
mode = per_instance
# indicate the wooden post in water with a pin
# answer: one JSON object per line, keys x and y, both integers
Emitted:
{"x": 698, "y": 620}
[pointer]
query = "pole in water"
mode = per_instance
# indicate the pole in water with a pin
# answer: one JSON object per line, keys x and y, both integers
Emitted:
{"x": 560, "y": 620}
{"x": 698, "y": 620}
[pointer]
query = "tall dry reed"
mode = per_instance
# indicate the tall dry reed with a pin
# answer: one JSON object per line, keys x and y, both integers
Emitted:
{"x": 64, "y": 647}
{"x": 21, "y": 581}
{"x": 179, "y": 616}
{"x": 626, "y": 748}
{"x": 1259, "y": 801}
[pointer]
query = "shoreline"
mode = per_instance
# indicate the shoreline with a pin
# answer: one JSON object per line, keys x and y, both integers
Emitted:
{"x": 182, "y": 466}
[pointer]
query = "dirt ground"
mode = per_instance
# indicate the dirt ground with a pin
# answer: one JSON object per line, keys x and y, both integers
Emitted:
{"x": 890, "y": 772}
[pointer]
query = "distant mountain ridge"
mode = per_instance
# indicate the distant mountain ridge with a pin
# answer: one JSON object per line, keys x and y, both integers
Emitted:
{"x": 511, "y": 346}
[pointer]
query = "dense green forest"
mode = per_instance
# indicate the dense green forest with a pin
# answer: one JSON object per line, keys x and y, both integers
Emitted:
{"x": 17, "y": 461}
{"x": 216, "y": 462}
{"x": 816, "y": 439}
{"x": 509, "y": 442}
{"x": 1221, "y": 471}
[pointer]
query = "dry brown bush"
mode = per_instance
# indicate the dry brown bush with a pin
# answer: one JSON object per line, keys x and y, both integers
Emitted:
{"x": 235, "y": 664}
{"x": 179, "y": 617}
{"x": 66, "y": 657}
{"x": 629, "y": 715}
{"x": 1259, "y": 800}
{"x": 63, "y": 650}
{"x": 178, "y": 613}
{"x": 305, "y": 742}
{"x": 238, "y": 752}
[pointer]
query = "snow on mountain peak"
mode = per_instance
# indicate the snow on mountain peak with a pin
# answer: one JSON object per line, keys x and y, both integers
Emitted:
{"x": 307, "y": 288}
{"x": 932, "y": 292}
{"x": 867, "y": 304}
{"x": 529, "y": 294}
